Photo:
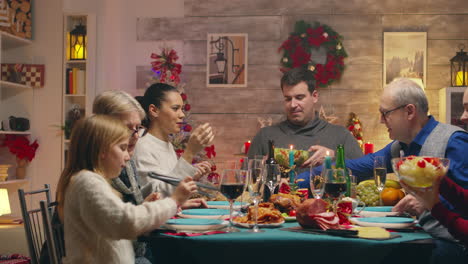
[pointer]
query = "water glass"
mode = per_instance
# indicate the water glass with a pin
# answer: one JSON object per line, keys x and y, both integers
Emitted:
{"x": 317, "y": 184}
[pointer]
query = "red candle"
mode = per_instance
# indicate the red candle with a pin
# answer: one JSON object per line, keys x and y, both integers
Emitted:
{"x": 246, "y": 146}
{"x": 368, "y": 148}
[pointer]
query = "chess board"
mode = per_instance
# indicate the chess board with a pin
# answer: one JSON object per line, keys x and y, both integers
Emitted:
{"x": 31, "y": 75}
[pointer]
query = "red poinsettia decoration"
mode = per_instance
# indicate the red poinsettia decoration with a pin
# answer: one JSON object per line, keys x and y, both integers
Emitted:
{"x": 19, "y": 145}
{"x": 165, "y": 65}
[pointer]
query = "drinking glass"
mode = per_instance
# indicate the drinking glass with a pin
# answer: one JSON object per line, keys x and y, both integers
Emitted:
{"x": 380, "y": 174}
{"x": 317, "y": 183}
{"x": 255, "y": 188}
{"x": 272, "y": 175}
{"x": 335, "y": 184}
{"x": 232, "y": 185}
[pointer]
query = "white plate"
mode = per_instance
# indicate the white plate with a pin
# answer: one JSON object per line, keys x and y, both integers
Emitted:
{"x": 376, "y": 211}
{"x": 191, "y": 224}
{"x": 385, "y": 222}
{"x": 209, "y": 213}
{"x": 246, "y": 225}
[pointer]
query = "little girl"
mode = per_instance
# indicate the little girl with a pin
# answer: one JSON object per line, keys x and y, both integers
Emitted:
{"x": 99, "y": 226}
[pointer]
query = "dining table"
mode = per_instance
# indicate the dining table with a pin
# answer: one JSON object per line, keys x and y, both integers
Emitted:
{"x": 279, "y": 245}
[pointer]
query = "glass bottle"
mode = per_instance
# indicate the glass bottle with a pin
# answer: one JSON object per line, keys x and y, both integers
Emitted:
{"x": 270, "y": 160}
{"x": 341, "y": 164}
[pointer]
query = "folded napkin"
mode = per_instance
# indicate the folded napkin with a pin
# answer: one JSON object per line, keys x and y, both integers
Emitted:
{"x": 190, "y": 234}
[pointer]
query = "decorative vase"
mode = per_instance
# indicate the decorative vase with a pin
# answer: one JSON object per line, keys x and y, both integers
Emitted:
{"x": 21, "y": 165}
{"x": 4, "y": 172}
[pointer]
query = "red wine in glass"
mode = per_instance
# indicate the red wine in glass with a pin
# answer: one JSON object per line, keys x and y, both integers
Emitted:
{"x": 335, "y": 190}
{"x": 232, "y": 190}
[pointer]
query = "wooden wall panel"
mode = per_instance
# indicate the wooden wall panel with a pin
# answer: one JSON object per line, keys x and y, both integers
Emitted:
{"x": 234, "y": 111}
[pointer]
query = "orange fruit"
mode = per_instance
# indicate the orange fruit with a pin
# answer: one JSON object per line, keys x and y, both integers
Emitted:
{"x": 391, "y": 196}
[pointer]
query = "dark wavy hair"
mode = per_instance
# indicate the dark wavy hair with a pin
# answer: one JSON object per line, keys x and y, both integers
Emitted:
{"x": 297, "y": 75}
{"x": 154, "y": 95}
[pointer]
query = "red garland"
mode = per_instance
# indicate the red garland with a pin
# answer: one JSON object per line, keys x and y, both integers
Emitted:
{"x": 297, "y": 51}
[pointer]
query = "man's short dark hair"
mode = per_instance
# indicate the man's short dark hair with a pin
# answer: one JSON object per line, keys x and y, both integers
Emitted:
{"x": 297, "y": 75}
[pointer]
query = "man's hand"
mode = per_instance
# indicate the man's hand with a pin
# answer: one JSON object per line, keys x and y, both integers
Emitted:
{"x": 319, "y": 155}
{"x": 409, "y": 204}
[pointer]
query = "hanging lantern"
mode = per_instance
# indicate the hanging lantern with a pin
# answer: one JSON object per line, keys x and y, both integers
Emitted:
{"x": 459, "y": 68}
{"x": 220, "y": 62}
{"x": 77, "y": 43}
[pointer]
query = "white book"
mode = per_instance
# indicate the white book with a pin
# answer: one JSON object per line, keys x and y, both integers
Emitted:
{"x": 80, "y": 82}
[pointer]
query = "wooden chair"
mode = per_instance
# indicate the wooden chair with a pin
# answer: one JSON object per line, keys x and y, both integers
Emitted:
{"x": 33, "y": 221}
{"x": 53, "y": 232}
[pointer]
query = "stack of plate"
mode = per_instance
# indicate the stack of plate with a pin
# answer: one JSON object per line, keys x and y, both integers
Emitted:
{"x": 194, "y": 224}
{"x": 224, "y": 205}
{"x": 385, "y": 222}
{"x": 209, "y": 213}
{"x": 377, "y": 211}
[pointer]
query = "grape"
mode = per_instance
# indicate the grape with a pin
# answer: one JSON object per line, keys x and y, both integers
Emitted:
{"x": 368, "y": 193}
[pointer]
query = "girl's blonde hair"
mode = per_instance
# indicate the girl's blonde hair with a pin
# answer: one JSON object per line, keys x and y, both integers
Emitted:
{"x": 90, "y": 137}
{"x": 116, "y": 103}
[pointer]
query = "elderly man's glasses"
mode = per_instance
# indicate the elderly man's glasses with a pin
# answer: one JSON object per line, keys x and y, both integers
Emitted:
{"x": 386, "y": 113}
{"x": 140, "y": 131}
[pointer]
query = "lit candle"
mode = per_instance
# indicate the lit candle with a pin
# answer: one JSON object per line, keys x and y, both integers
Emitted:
{"x": 368, "y": 148}
{"x": 246, "y": 146}
{"x": 291, "y": 164}
{"x": 328, "y": 161}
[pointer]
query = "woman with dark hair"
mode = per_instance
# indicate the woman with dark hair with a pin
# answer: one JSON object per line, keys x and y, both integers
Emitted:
{"x": 154, "y": 151}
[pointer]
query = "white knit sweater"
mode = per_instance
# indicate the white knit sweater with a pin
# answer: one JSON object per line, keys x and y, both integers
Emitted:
{"x": 154, "y": 155}
{"x": 99, "y": 226}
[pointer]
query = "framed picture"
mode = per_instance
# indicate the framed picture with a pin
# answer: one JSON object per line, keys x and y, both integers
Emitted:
{"x": 226, "y": 60}
{"x": 405, "y": 56}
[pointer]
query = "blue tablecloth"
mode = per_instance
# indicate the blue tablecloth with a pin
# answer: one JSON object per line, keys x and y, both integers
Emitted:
{"x": 280, "y": 246}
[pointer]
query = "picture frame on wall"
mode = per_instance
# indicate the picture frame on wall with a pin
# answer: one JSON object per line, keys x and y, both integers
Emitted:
{"x": 405, "y": 56}
{"x": 227, "y": 60}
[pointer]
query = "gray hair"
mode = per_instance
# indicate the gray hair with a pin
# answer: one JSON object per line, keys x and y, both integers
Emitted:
{"x": 116, "y": 103}
{"x": 405, "y": 91}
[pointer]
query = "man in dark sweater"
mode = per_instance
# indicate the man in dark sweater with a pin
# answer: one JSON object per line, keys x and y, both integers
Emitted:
{"x": 303, "y": 128}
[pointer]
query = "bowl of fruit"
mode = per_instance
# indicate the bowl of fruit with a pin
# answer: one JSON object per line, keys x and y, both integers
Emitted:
{"x": 420, "y": 172}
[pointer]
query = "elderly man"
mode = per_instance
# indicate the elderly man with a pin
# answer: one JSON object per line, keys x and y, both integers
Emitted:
{"x": 303, "y": 128}
{"x": 404, "y": 108}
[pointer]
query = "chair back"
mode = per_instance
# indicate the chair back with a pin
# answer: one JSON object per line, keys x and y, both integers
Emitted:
{"x": 32, "y": 221}
{"x": 53, "y": 229}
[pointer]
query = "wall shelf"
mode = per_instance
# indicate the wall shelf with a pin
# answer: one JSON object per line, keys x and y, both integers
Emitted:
{"x": 10, "y": 41}
{"x": 6, "y": 84}
{"x": 14, "y": 182}
{"x": 15, "y": 132}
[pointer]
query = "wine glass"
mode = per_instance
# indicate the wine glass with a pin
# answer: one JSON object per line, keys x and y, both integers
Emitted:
{"x": 335, "y": 184}
{"x": 255, "y": 188}
{"x": 380, "y": 174}
{"x": 317, "y": 183}
{"x": 232, "y": 185}
{"x": 272, "y": 176}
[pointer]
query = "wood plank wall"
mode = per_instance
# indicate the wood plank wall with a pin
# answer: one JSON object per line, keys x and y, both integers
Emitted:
{"x": 234, "y": 111}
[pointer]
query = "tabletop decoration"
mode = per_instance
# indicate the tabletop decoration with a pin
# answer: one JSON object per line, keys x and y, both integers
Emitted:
{"x": 282, "y": 156}
{"x": 368, "y": 148}
{"x": 355, "y": 127}
{"x": 298, "y": 48}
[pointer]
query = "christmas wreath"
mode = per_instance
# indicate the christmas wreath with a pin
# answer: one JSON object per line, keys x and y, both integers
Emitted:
{"x": 298, "y": 47}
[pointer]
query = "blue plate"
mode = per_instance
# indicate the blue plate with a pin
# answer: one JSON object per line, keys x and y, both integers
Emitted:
{"x": 387, "y": 220}
{"x": 194, "y": 221}
{"x": 378, "y": 209}
{"x": 205, "y": 212}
